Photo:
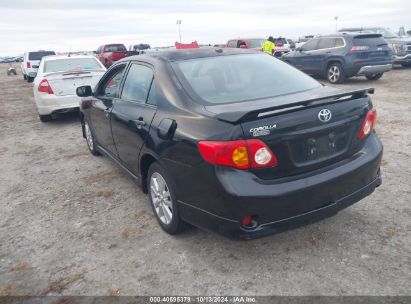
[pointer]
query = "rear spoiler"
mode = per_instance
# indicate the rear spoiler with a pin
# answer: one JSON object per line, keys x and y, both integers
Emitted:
{"x": 239, "y": 116}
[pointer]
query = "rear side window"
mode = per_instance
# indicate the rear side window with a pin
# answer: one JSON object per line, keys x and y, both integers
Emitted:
{"x": 339, "y": 42}
{"x": 326, "y": 43}
{"x": 237, "y": 78}
{"x": 71, "y": 64}
{"x": 369, "y": 40}
{"x": 137, "y": 83}
{"x": 39, "y": 55}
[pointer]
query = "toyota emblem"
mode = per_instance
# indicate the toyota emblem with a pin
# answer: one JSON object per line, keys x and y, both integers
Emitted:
{"x": 324, "y": 115}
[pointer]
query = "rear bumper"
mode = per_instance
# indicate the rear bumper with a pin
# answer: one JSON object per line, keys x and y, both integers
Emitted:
{"x": 284, "y": 204}
{"x": 374, "y": 69}
{"x": 48, "y": 104}
{"x": 402, "y": 59}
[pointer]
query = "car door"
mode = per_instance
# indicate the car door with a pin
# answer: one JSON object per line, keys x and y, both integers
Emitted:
{"x": 302, "y": 59}
{"x": 132, "y": 114}
{"x": 100, "y": 113}
{"x": 319, "y": 56}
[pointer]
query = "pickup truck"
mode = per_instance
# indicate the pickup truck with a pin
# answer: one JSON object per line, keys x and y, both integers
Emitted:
{"x": 110, "y": 53}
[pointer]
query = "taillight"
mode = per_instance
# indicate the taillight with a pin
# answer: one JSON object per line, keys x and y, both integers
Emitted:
{"x": 28, "y": 64}
{"x": 240, "y": 154}
{"x": 369, "y": 124}
{"x": 45, "y": 87}
{"x": 359, "y": 48}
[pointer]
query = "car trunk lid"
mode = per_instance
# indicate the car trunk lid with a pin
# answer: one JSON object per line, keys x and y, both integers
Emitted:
{"x": 305, "y": 134}
{"x": 66, "y": 83}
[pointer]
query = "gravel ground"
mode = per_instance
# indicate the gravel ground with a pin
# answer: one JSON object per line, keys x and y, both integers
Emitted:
{"x": 74, "y": 224}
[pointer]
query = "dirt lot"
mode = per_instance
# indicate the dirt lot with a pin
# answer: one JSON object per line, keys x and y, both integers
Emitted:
{"x": 74, "y": 224}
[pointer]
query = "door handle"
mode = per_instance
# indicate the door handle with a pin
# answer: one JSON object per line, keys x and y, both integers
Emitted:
{"x": 139, "y": 123}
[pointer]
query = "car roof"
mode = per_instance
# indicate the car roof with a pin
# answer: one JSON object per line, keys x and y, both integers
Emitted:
{"x": 348, "y": 34}
{"x": 187, "y": 54}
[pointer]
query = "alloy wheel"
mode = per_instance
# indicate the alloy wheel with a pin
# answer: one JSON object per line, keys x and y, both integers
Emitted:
{"x": 161, "y": 198}
{"x": 89, "y": 136}
{"x": 334, "y": 74}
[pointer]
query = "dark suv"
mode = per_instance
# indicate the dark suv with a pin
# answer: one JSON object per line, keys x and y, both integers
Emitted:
{"x": 341, "y": 56}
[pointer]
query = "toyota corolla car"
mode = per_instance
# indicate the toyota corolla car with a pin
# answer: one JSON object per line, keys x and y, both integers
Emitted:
{"x": 233, "y": 141}
{"x": 57, "y": 79}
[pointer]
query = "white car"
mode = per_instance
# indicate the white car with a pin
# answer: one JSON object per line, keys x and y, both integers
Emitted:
{"x": 57, "y": 80}
{"x": 30, "y": 63}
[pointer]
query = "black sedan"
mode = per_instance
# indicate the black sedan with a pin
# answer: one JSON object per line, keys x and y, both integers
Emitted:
{"x": 233, "y": 141}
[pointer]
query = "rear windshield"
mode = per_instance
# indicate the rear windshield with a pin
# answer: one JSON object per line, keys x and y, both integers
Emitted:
{"x": 71, "y": 64}
{"x": 255, "y": 43}
{"x": 115, "y": 48}
{"x": 370, "y": 40}
{"x": 39, "y": 55}
{"x": 280, "y": 41}
{"x": 237, "y": 78}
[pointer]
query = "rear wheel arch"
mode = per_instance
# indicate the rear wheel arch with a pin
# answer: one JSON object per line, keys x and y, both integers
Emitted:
{"x": 145, "y": 163}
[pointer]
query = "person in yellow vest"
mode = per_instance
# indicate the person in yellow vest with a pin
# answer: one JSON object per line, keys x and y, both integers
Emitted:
{"x": 268, "y": 47}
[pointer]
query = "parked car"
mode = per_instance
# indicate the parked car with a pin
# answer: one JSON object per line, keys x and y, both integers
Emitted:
{"x": 30, "y": 63}
{"x": 341, "y": 56}
{"x": 57, "y": 79}
{"x": 138, "y": 49}
{"x": 281, "y": 46}
{"x": 110, "y": 53}
{"x": 400, "y": 46}
{"x": 232, "y": 140}
{"x": 246, "y": 43}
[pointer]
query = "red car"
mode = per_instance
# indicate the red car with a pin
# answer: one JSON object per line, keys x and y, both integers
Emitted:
{"x": 110, "y": 53}
{"x": 246, "y": 43}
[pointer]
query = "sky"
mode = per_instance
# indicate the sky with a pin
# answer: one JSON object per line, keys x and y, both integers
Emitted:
{"x": 77, "y": 25}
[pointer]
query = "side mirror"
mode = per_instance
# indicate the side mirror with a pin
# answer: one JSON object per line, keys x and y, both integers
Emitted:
{"x": 84, "y": 91}
{"x": 243, "y": 46}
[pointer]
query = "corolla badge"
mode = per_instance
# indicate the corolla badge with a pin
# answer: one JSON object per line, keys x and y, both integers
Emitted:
{"x": 324, "y": 115}
{"x": 264, "y": 130}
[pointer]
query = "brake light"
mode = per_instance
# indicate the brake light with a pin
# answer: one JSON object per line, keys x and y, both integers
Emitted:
{"x": 28, "y": 64}
{"x": 240, "y": 154}
{"x": 359, "y": 48}
{"x": 45, "y": 87}
{"x": 369, "y": 124}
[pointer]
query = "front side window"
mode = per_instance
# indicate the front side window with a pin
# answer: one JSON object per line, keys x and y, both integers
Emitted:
{"x": 111, "y": 86}
{"x": 137, "y": 83}
{"x": 237, "y": 78}
{"x": 310, "y": 45}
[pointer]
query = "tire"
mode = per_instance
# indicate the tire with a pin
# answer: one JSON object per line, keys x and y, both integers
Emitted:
{"x": 406, "y": 64}
{"x": 163, "y": 200}
{"x": 90, "y": 139}
{"x": 45, "y": 118}
{"x": 374, "y": 76}
{"x": 24, "y": 77}
{"x": 106, "y": 64}
{"x": 29, "y": 79}
{"x": 335, "y": 73}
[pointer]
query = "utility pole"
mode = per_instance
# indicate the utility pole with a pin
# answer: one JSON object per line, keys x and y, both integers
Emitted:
{"x": 336, "y": 23}
{"x": 179, "y": 27}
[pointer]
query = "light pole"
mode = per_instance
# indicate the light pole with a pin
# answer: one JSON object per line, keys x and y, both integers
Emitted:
{"x": 179, "y": 27}
{"x": 336, "y": 23}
